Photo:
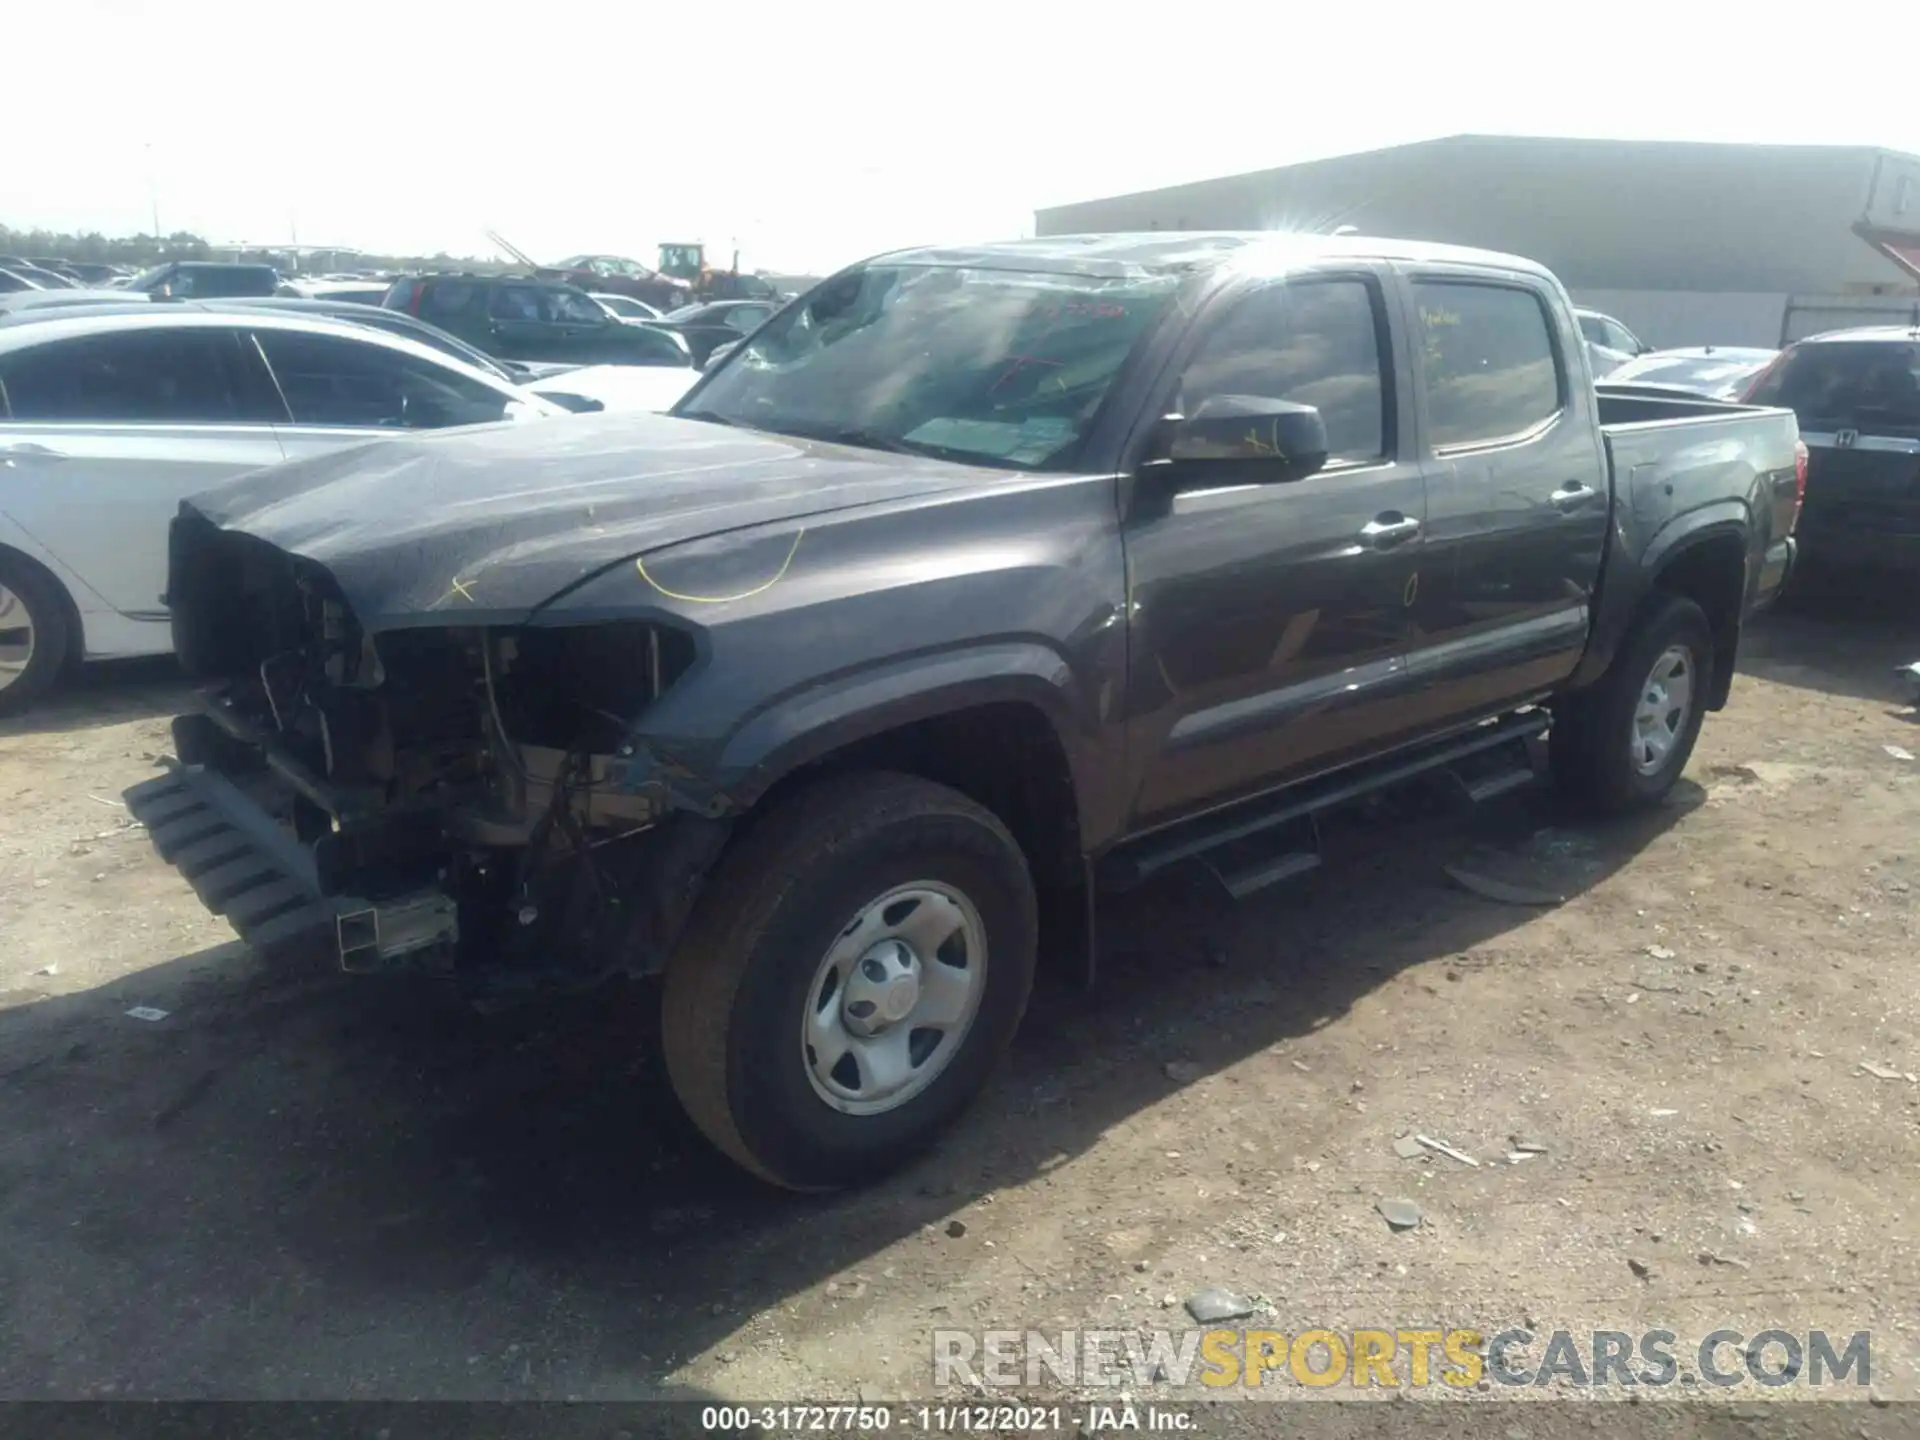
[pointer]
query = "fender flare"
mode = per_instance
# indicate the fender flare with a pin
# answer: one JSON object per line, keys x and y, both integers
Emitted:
{"x": 813, "y": 723}
{"x": 1620, "y": 604}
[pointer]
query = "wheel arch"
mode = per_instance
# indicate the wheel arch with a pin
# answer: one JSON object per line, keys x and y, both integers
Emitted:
{"x": 1709, "y": 567}
{"x": 69, "y": 607}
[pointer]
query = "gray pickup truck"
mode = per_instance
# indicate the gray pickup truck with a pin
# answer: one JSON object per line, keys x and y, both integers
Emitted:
{"x": 976, "y": 583}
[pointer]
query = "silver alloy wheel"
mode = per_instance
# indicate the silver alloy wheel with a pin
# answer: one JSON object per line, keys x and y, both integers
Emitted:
{"x": 1665, "y": 705}
{"x": 894, "y": 997}
{"x": 16, "y": 638}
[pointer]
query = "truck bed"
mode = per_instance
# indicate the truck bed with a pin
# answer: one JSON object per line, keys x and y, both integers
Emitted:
{"x": 1672, "y": 455}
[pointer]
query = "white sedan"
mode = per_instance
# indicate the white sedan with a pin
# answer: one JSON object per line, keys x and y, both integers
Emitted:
{"x": 625, "y": 307}
{"x": 108, "y": 420}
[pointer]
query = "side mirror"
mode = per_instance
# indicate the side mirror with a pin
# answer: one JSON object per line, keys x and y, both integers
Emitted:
{"x": 1249, "y": 439}
{"x": 719, "y": 353}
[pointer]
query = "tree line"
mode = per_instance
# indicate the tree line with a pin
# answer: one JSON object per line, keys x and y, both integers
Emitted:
{"x": 91, "y": 247}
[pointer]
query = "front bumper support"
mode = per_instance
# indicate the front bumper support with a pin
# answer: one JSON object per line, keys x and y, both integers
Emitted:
{"x": 246, "y": 866}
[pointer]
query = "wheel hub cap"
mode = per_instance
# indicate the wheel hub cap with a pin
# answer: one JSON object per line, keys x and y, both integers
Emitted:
{"x": 883, "y": 989}
{"x": 1666, "y": 705}
{"x": 16, "y": 637}
{"x": 893, "y": 998}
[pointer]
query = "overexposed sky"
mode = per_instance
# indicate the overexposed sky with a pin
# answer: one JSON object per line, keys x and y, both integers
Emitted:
{"x": 813, "y": 134}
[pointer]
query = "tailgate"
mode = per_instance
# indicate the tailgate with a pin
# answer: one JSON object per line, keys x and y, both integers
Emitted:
{"x": 1862, "y": 482}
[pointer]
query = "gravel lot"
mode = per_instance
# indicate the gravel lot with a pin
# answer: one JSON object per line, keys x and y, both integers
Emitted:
{"x": 299, "y": 1186}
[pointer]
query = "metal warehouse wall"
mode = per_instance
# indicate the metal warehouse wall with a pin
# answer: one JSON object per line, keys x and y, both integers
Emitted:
{"x": 1605, "y": 215}
{"x": 1665, "y": 318}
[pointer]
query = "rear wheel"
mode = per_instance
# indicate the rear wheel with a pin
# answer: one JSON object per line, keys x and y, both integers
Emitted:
{"x": 853, "y": 971}
{"x": 1623, "y": 743}
{"x": 34, "y": 634}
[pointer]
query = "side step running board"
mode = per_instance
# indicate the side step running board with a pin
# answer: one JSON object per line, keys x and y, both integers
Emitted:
{"x": 1277, "y": 837}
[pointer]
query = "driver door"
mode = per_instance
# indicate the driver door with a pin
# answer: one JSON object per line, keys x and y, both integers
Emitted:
{"x": 1270, "y": 622}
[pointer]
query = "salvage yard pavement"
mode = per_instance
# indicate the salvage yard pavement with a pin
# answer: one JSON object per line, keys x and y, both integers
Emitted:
{"x": 217, "y": 1181}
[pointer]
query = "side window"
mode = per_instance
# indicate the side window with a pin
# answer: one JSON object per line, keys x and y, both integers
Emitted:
{"x": 140, "y": 376}
{"x": 331, "y": 380}
{"x": 517, "y": 302}
{"x": 569, "y": 307}
{"x": 1487, "y": 357}
{"x": 445, "y": 297}
{"x": 1618, "y": 338}
{"x": 1312, "y": 342}
{"x": 746, "y": 318}
{"x": 1593, "y": 329}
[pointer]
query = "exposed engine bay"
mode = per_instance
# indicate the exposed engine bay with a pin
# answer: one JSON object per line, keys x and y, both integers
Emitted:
{"x": 473, "y": 799}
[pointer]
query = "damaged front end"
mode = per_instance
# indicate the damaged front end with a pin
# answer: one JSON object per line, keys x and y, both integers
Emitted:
{"x": 473, "y": 800}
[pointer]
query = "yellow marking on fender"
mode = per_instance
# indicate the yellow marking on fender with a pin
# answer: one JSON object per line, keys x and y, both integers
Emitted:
{"x": 778, "y": 575}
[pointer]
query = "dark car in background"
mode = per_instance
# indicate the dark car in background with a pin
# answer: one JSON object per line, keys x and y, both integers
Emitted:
{"x": 619, "y": 275}
{"x": 511, "y": 317}
{"x": 1857, "y": 394}
{"x": 721, "y": 322}
{"x": 206, "y": 280}
{"x": 1719, "y": 372}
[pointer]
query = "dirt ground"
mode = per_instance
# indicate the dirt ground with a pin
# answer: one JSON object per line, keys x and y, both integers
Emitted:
{"x": 297, "y": 1185}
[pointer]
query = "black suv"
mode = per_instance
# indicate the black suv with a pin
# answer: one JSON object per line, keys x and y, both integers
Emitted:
{"x": 1857, "y": 393}
{"x": 512, "y": 317}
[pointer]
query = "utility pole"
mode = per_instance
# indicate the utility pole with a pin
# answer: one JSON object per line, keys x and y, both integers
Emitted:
{"x": 153, "y": 192}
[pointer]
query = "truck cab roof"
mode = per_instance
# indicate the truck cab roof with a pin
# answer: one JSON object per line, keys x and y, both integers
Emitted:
{"x": 1173, "y": 252}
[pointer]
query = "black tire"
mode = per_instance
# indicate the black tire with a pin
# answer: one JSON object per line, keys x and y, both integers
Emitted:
{"x": 739, "y": 984}
{"x": 36, "y": 598}
{"x": 1591, "y": 749}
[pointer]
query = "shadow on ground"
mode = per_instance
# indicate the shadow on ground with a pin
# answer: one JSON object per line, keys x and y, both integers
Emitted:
{"x": 109, "y": 692}
{"x": 1842, "y": 638}
{"x": 301, "y": 1186}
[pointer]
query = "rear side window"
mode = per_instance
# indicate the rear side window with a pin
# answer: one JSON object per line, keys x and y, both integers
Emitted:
{"x": 145, "y": 376}
{"x": 1869, "y": 386}
{"x": 1487, "y": 358}
{"x": 445, "y": 298}
{"x": 331, "y": 380}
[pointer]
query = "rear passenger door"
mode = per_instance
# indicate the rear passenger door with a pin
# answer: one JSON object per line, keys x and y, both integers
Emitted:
{"x": 1517, "y": 494}
{"x": 1269, "y": 622}
{"x": 106, "y": 434}
{"x": 339, "y": 390}
{"x": 524, "y": 326}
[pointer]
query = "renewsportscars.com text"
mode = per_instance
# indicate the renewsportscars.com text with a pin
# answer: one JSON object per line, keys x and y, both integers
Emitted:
{"x": 1455, "y": 1358}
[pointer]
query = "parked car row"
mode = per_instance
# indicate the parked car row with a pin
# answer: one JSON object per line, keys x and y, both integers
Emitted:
{"x": 117, "y": 404}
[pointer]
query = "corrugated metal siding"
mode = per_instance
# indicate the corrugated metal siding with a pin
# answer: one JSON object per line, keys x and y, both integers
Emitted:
{"x": 1605, "y": 215}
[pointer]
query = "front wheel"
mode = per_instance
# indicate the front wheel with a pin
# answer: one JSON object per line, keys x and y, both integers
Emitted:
{"x": 1622, "y": 744}
{"x": 853, "y": 971}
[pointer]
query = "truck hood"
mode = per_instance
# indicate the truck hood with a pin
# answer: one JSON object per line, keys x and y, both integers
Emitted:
{"x": 481, "y": 526}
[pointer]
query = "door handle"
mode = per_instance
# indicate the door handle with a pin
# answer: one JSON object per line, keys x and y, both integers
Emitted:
{"x": 1572, "y": 495}
{"x": 1386, "y": 531}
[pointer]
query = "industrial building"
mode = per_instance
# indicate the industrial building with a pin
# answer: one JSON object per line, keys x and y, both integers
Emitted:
{"x": 1687, "y": 243}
